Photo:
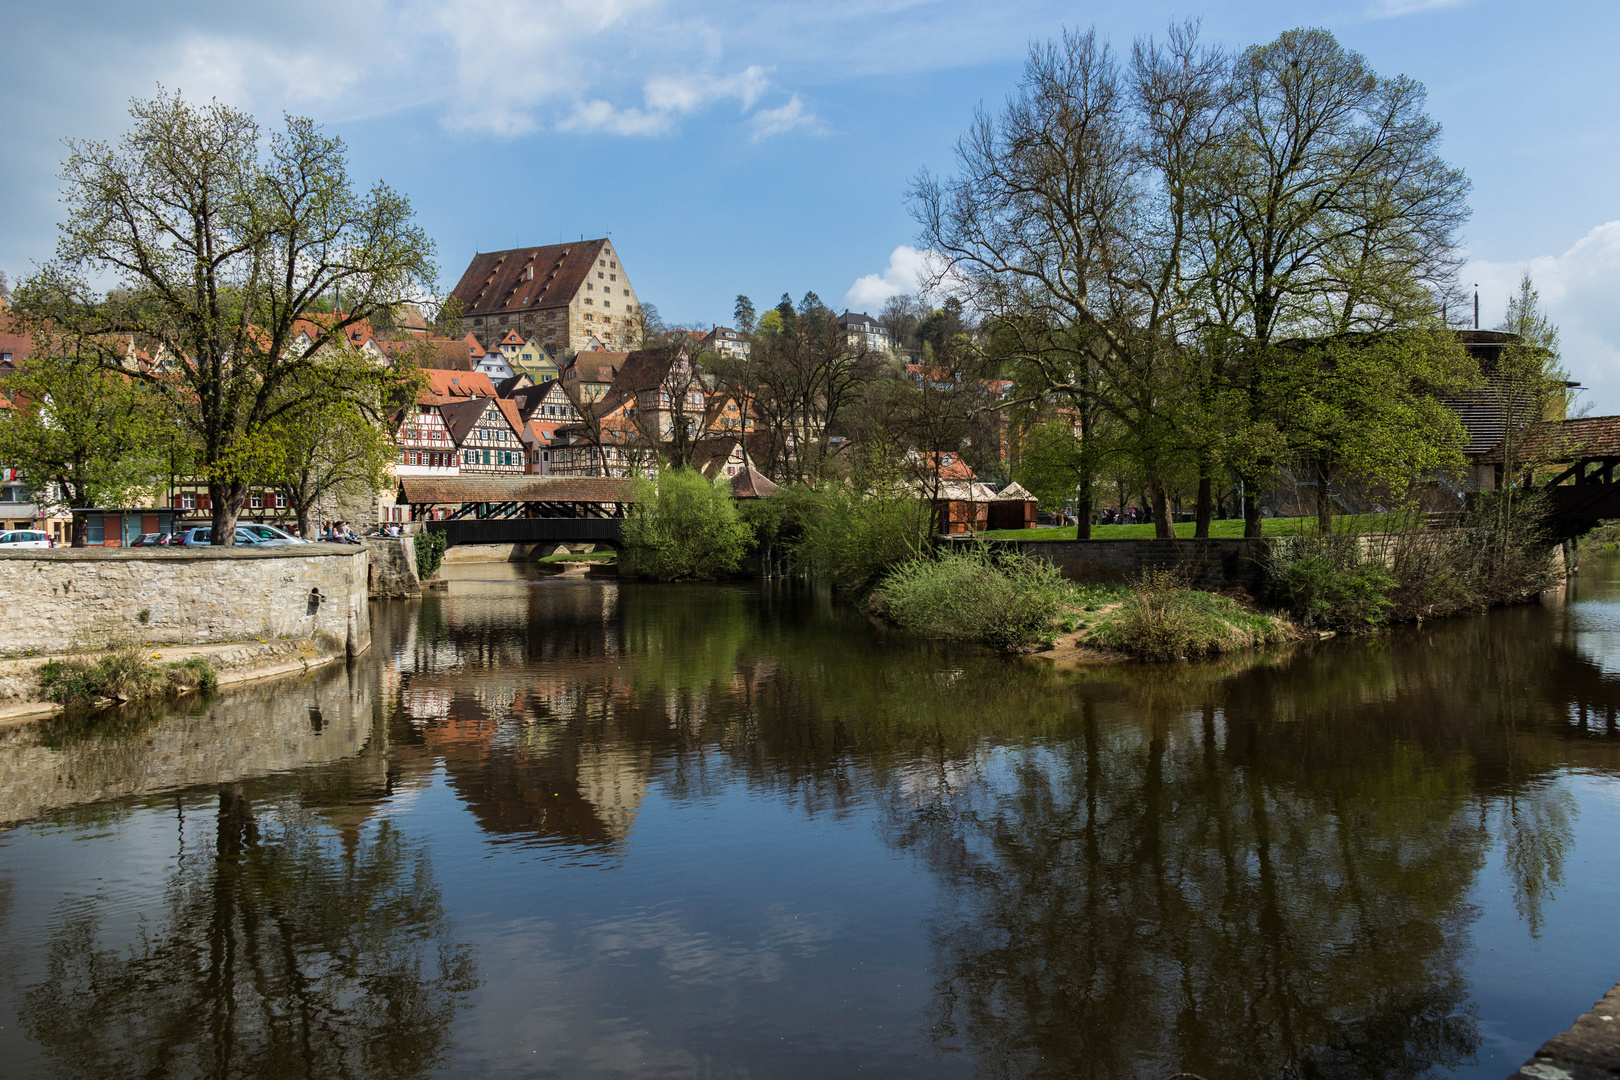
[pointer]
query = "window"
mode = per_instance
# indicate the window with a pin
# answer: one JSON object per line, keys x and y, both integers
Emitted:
{"x": 613, "y": 277}
{"x": 188, "y": 501}
{"x": 627, "y": 292}
{"x": 599, "y": 274}
{"x": 589, "y": 286}
{"x": 479, "y": 321}
{"x": 613, "y": 264}
{"x": 255, "y": 502}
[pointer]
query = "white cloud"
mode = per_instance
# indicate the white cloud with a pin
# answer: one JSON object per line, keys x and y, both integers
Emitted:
{"x": 686, "y": 93}
{"x": 602, "y": 116}
{"x": 783, "y": 118}
{"x": 1578, "y": 290}
{"x": 908, "y": 268}
{"x": 1388, "y": 9}
{"x": 239, "y": 71}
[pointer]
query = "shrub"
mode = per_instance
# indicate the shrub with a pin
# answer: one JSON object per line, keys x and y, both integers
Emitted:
{"x": 685, "y": 527}
{"x": 124, "y": 674}
{"x": 1162, "y": 619}
{"x": 852, "y": 537}
{"x": 999, "y": 598}
{"x": 1326, "y": 583}
{"x": 429, "y": 553}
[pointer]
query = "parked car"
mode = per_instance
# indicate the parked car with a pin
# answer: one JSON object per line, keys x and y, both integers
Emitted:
{"x": 25, "y": 538}
{"x": 150, "y": 540}
{"x": 270, "y": 535}
{"x": 201, "y": 536}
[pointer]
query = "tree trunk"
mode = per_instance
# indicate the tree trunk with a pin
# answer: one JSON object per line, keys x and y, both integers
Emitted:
{"x": 80, "y": 531}
{"x": 1205, "y": 509}
{"x": 1324, "y": 497}
{"x": 1085, "y": 501}
{"x": 1251, "y": 513}
{"x": 1163, "y": 527}
{"x": 305, "y": 523}
{"x": 226, "y": 502}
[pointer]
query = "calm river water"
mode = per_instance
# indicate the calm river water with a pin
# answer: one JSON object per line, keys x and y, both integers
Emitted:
{"x": 570, "y": 828}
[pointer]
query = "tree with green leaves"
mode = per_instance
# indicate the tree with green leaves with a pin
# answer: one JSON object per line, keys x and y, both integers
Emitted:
{"x": 83, "y": 434}
{"x": 1052, "y": 461}
{"x": 1372, "y": 407}
{"x": 340, "y": 444}
{"x": 685, "y": 527}
{"x": 1527, "y": 383}
{"x": 221, "y": 241}
{"x": 743, "y": 315}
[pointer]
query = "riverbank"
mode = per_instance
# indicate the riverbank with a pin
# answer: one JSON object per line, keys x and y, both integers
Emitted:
{"x": 23, "y": 701}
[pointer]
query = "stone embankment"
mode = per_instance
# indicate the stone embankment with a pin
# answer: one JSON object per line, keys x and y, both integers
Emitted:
{"x": 1590, "y": 1050}
{"x": 392, "y": 565}
{"x": 66, "y": 599}
{"x": 293, "y": 723}
{"x": 234, "y": 662}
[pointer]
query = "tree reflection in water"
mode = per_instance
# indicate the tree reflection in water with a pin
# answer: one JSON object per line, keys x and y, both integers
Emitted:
{"x": 282, "y": 950}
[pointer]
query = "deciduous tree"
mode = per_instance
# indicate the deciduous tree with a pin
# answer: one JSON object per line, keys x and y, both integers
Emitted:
{"x": 221, "y": 240}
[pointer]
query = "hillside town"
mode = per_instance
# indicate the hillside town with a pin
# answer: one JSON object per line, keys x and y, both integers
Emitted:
{"x": 553, "y": 368}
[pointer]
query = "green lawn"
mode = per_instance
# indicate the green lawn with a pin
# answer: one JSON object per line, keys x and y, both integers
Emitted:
{"x": 589, "y": 556}
{"x": 1351, "y": 523}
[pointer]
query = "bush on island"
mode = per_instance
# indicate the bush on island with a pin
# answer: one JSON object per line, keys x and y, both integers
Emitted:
{"x": 125, "y": 673}
{"x": 1000, "y": 598}
{"x": 1162, "y": 619}
{"x": 853, "y": 533}
{"x": 684, "y": 527}
{"x": 1326, "y": 584}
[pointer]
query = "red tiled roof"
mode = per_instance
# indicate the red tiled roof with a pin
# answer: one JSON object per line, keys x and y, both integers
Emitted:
{"x": 458, "y": 384}
{"x": 523, "y": 279}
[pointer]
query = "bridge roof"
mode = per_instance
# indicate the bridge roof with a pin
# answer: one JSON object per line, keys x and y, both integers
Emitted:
{"x": 1564, "y": 441}
{"x": 432, "y": 490}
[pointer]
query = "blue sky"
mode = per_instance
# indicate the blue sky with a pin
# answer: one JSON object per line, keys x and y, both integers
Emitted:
{"x": 765, "y": 147}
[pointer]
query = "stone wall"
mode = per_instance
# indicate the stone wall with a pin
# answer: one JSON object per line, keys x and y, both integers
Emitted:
{"x": 1212, "y": 564}
{"x": 62, "y": 598}
{"x": 393, "y": 568}
{"x": 274, "y": 727}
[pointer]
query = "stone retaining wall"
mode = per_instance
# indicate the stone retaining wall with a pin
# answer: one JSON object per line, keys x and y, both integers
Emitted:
{"x": 62, "y": 598}
{"x": 393, "y": 568}
{"x": 1212, "y": 564}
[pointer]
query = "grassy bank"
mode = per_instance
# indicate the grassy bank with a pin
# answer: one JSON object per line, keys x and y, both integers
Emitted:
{"x": 127, "y": 673}
{"x": 586, "y": 557}
{"x": 1160, "y": 619}
{"x": 1015, "y": 604}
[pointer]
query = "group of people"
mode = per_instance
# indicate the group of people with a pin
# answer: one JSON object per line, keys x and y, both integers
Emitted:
{"x": 1129, "y": 515}
{"x": 338, "y": 532}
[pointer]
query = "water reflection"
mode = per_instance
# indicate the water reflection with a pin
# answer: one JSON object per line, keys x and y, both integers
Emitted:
{"x": 1267, "y": 867}
{"x": 278, "y": 951}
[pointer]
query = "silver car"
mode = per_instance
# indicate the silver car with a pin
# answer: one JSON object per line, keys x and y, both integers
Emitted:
{"x": 270, "y": 535}
{"x": 199, "y": 537}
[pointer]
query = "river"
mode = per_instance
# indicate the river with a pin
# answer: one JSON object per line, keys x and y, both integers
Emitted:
{"x": 557, "y": 827}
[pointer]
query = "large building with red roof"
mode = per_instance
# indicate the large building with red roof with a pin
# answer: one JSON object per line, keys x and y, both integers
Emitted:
{"x": 560, "y": 296}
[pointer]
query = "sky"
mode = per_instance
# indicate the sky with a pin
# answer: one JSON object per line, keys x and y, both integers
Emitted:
{"x": 766, "y": 147}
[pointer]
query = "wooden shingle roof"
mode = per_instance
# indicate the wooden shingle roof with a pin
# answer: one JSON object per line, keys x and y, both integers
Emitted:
{"x": 1563, "y": 441}
{"x": 432, "y": 490}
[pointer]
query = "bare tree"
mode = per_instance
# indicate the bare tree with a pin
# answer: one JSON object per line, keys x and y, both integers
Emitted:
{"x": 1071, "y": 221}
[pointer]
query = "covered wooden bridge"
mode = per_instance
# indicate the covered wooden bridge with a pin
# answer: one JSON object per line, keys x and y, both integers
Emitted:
{"x": 518, "y": 509}
{"x": 1572, "y": 462}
